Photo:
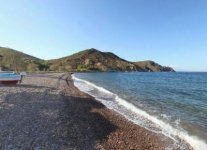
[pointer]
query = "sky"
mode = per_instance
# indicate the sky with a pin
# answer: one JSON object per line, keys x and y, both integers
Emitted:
{"x": 170, "y": 32}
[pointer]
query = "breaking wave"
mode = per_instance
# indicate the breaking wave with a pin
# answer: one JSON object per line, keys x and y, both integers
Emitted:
{"x": 139, "y": 116}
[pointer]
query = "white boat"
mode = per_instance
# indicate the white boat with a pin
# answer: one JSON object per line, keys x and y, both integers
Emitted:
{"x": 9, "y": 78}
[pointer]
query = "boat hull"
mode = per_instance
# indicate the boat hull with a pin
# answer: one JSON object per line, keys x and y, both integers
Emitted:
{"x": 14, "y": 82}
{"x": 8, "y": 78}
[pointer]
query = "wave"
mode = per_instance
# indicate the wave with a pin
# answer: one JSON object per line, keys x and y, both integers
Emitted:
{"x": 139, "y": 116}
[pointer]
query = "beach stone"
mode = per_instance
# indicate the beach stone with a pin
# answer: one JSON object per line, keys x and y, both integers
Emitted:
{"x": 47, "y": 111}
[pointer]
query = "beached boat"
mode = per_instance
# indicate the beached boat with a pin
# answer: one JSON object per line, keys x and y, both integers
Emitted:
{"x": 10, "y": 78}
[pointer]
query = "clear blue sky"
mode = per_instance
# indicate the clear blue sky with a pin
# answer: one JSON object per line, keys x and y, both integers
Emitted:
{"x": 170, "y": 32}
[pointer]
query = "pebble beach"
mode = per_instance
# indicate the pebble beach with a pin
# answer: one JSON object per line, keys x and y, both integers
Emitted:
{"x": 46, "y": 111}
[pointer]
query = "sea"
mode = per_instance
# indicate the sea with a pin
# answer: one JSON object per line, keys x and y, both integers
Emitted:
{"x": 173, "y": 104}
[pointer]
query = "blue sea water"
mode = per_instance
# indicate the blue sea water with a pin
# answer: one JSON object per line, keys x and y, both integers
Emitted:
{"x": 174, "y": 104}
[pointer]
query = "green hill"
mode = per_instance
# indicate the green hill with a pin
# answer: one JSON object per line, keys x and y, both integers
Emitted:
{"x": 151, "y": 66}
{"x": 87, "y": 60}
{"x": 92, "y": 60}
{"x": 15, "y": 60}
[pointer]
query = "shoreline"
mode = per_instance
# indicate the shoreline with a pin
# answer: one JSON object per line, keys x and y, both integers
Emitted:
{"x": 161, "y": 141}
{"x": 47, "y": 111}
{"x": 127, "y": 135}
{"x": 170, "y": 142}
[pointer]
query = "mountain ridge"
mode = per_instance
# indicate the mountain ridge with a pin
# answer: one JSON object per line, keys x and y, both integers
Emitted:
{"x": 86, "y": 60}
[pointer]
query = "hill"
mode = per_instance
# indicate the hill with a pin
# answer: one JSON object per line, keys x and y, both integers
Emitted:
{"x": 95, "y": 60}
{"x": 92, "y": 60}
{"x": 87, "y": 60}
{"x": 11, "y": 59}
{"x": 151, "y": 66}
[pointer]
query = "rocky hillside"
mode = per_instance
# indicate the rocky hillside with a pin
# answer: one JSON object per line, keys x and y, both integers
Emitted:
{"x": 15, "y": 60}
{"x": 151, "y": 66}
{"x": 92, "y": 60}
{"x": 95, "y": 60}
{"x": 87, "y": 60}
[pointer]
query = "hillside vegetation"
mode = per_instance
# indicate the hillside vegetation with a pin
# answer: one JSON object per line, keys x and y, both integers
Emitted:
{"x": 152, "y": 66}
{"x": 15, "y": 60}
{"x": 92, "y": 60}
{"x": 87, "y": 60}
{"x": 95, "y": 60}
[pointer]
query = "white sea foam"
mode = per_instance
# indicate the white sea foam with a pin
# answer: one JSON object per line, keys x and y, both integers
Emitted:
{"x": 141, "y": 117}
